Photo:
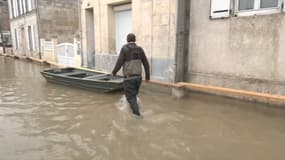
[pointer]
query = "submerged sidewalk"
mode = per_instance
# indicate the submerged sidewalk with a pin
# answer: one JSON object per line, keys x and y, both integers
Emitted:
{"x": 8, "y": 50}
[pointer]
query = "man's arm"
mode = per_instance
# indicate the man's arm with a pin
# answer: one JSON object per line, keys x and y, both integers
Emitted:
{"x": 119, "y": 63}
{"x": 146, "y": 65}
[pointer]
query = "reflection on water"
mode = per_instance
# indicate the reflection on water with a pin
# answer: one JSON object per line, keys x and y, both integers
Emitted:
{"x": 46, "y": 121}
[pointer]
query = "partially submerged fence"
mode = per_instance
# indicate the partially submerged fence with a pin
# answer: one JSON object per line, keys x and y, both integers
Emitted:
{"x": 64, "y": 53}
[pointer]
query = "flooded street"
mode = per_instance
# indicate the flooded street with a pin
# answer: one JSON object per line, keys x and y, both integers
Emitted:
{"x": 43, "y": 121}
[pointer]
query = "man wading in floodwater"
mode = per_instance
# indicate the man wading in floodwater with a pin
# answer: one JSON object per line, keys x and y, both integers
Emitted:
{"x": 131, "y": 58}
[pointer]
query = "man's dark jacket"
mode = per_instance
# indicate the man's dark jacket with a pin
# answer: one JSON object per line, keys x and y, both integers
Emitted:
{"x": 131, "y": 58}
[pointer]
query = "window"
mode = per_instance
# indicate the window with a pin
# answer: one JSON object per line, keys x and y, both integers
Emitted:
{"x": 15, "y": 8}
{"x": 257, "y": 4}
{"x": 11, "y": 4}
{"x": 224, "y": 8}
{"x": 20, "y": 5}
{"x": 19, "y": 8}
{"x": 26, "y": 6}
{"x": 32, "y": 4}
{"x": 268, "y": 3}
{"x": 246, "y": 5}
{"x": 257, "y": 7}
{"x": 29, "y": 5}
{"x": 23, "y": 6}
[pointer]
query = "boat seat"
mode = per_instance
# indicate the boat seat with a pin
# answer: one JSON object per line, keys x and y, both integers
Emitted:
{"x": 96, "y": 76}
{"x": 73, "y": 73}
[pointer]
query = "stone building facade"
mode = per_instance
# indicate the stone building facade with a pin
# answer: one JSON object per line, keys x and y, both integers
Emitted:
{"x": 105, "y": 24}
{"x": 227, "y": 43}
{"x": 35, "y": 21}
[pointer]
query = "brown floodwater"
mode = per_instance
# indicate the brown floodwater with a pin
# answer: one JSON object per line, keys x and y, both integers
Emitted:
{"x": 43, "y": 121}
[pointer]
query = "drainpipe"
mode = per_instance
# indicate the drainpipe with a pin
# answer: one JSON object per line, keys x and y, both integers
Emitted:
{"x": 182, "y": 44}
{"x": 80, "y": 30}
{"x": 38, "y": 27}
{"x": 2, "y": 36}
{"x": 3, "y": 41}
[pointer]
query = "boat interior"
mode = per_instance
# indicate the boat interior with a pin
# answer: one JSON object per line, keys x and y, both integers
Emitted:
{"x": 83, "y": 74}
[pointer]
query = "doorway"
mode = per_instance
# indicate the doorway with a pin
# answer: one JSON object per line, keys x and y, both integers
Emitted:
{"x": 23, "y": 42}
{"x": 123, "y": 24}
{"x": 90, "y": 34}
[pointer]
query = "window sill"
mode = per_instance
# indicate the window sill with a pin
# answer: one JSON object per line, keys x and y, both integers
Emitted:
{"x": 258, "y": 12}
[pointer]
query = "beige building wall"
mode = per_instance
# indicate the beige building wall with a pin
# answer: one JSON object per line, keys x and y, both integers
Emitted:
{"x": 153, "y": 22}
{"x": 237, "y": 52}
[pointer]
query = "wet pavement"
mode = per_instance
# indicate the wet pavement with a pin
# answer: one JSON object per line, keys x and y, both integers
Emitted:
{"x": 43, "y": 121}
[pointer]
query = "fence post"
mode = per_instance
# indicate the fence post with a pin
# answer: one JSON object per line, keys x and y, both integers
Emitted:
{"x": 77, "y": 53}
{"x": 54, "y": 46}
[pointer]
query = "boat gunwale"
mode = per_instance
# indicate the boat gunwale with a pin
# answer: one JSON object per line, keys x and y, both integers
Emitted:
{"x": 90, "y": 80}
{"x": 83, "y": 79}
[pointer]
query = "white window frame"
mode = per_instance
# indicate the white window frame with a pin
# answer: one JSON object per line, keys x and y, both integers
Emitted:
{"x": 257, "y": 10}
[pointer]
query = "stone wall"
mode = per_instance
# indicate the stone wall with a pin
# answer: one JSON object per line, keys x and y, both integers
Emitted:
{"x": 4, "y": 14}
{"x": 59, "y": 19}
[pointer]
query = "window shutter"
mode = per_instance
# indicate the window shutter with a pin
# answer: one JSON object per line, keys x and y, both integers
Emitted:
{"x": 220, "y": 8}
{"x": 282, "y": 5}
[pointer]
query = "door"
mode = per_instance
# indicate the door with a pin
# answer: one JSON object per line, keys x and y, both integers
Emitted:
{"x": 123, "y": 20}
{"x": 23, "y": 42}
{"x": 90, "y": 34}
